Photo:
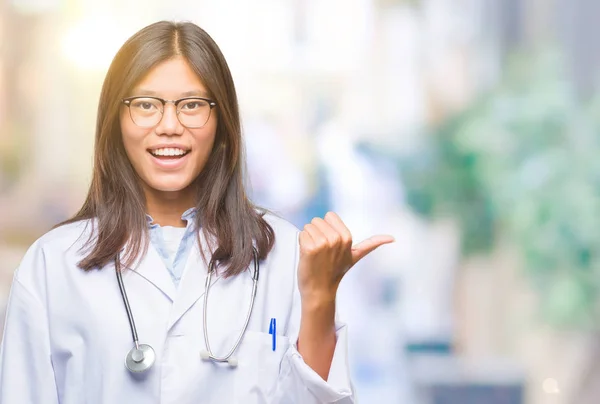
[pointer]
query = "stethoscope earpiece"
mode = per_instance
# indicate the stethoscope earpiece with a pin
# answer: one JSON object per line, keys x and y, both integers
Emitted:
{"x": 231, "y": 361}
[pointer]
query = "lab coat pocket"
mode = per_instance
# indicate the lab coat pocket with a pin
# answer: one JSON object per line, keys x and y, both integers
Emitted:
{"x": 258, "y": 368}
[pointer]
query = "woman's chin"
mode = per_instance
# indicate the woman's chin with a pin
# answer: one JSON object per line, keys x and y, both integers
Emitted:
{"x": 169, "y": 186}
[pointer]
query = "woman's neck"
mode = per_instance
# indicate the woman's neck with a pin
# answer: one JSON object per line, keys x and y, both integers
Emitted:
{"x": 166, "y": 208}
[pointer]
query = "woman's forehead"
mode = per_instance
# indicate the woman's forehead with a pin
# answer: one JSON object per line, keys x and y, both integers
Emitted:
{"x": 172, "y": 78}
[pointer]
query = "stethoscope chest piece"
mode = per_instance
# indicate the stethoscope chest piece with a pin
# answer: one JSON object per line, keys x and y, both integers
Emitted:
{"x": 140, "y": 359}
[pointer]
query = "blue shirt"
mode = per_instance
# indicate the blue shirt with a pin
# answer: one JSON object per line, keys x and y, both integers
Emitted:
{"x": 174, "y": 266}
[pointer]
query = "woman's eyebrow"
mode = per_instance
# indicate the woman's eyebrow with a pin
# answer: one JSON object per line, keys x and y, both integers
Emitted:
{"x": 192, "y": 93}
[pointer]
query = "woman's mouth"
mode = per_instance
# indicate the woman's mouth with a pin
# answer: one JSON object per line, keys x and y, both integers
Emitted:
{"x": 169, "y": 158}
{"x": 168, "y": 153}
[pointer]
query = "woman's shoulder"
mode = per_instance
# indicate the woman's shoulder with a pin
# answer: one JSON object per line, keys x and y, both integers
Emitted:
{"x": 52, "y": 250}
{"x": 66, "y": 236}
{"x": 285, "y": 248}
{"x": 281, "y": 226}
{"x": 59, "y": 241}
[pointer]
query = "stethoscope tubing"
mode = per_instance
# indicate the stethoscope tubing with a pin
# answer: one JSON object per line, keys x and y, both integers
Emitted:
{"x": 248, "y": 314}
{"x": 209, "y": 353}
{"x": 132, "y": 326}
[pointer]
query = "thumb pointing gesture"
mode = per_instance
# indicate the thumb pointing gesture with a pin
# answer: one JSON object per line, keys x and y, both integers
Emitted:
{"x": 327, "y": 253}
{"x": 360, "y": 250}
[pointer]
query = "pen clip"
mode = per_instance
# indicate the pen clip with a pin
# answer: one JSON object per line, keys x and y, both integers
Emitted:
{"x": 273, "y": 332}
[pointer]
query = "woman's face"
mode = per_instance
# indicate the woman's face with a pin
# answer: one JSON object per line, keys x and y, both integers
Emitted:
{"x": 168, "y": 156}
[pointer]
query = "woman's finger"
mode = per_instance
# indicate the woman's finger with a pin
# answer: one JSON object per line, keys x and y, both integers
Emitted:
{"x": 360, "y": 250}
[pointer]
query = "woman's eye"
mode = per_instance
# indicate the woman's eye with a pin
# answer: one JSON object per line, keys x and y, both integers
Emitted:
{"x": 191, "y": 105}
{"x": 144, "y": 105}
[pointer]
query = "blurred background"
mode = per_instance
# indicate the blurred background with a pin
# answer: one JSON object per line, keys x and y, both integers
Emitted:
{"x": 468, "y": 129}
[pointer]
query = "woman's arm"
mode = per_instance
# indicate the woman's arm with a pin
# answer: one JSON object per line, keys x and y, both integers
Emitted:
{"x": 317, "y": 339}
{"x": 326, "y": 255}
{"x": 315, "y": 368}
{"x": 26, "y": 373}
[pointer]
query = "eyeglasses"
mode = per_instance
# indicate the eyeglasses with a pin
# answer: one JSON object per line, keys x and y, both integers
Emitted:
{"x": 147, "y": 112}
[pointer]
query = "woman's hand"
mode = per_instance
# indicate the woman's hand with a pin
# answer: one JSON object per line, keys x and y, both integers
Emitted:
{"x": 326, "y": 254}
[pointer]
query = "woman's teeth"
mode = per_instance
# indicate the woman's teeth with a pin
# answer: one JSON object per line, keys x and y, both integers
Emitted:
{"x": 168, "y": 152}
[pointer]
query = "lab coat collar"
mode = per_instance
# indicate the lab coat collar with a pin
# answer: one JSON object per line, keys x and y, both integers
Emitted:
{"x": 191, "y": 286}
{"x": 187, "y": 216}
{"x": 151, "y": 267}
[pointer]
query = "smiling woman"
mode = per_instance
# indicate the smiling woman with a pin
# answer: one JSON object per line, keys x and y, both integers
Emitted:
{"x": 165, "y": 219}
{"x": 169, "y": 142}
{"x": 171, "y": 62}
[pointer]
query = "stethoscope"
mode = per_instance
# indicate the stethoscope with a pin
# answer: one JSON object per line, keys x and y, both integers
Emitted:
{"x": 142, "y": 356}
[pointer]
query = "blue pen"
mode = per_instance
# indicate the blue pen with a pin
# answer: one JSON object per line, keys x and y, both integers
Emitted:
{"x": 273, "y": 332}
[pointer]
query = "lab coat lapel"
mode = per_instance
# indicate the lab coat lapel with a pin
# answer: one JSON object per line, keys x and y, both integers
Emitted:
{"x": 191, "y": 286}
{"x": 152, "y": 268}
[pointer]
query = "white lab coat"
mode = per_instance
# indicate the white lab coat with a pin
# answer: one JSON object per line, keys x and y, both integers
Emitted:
{"x": 66, "y": 333}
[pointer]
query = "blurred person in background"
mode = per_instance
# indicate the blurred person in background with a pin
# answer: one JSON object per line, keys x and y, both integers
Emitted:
{"x": 165, "y": 222}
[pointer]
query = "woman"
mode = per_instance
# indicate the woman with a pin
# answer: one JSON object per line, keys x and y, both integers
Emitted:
{"x": 167, "y": 223}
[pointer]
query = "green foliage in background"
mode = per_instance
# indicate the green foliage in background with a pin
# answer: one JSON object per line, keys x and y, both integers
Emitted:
{"x": 523, "y": 163}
